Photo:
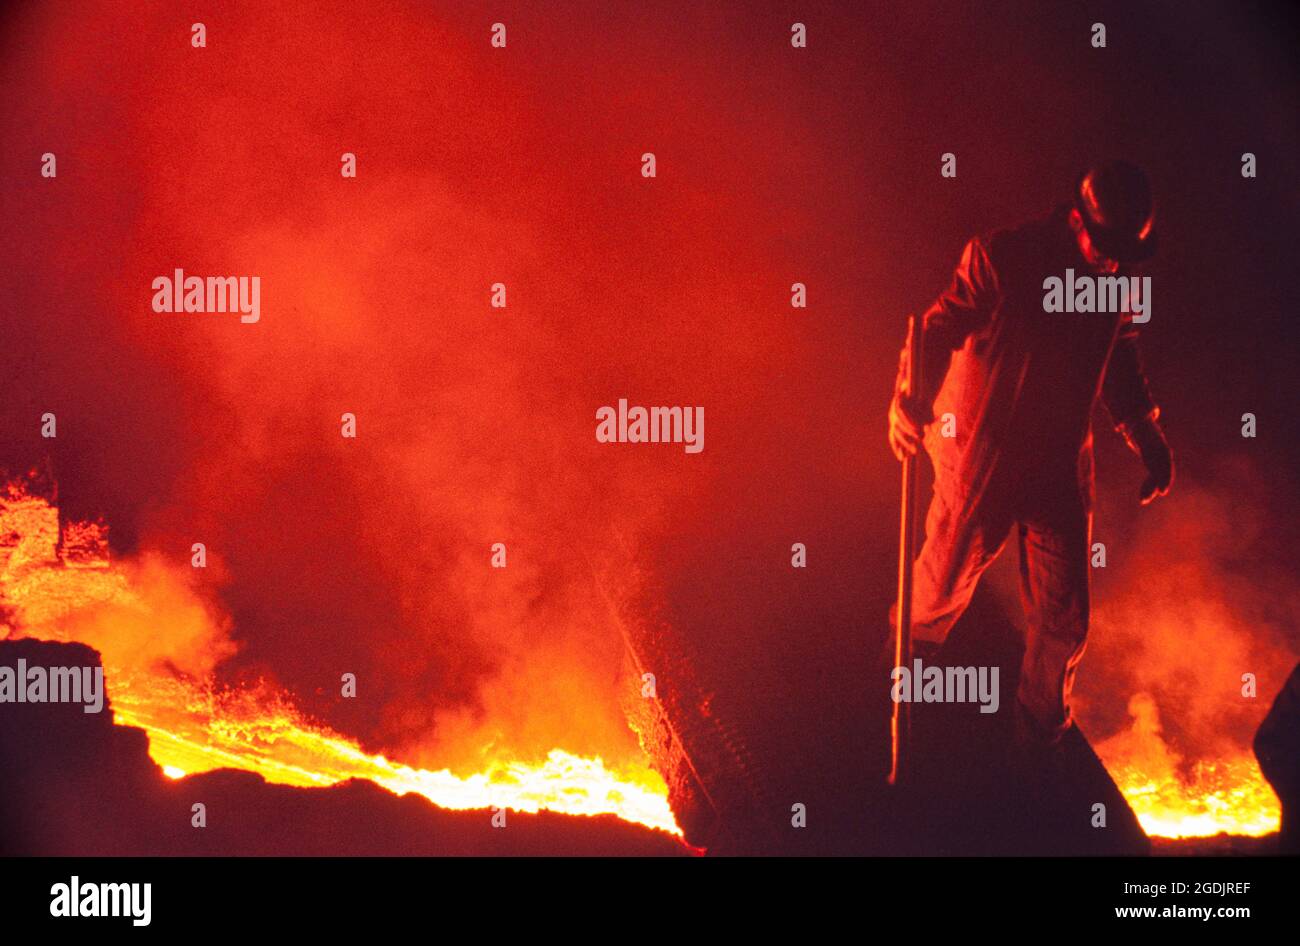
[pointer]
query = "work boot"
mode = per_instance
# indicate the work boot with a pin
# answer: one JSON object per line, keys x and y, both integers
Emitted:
{"x": 1036, "y": 754}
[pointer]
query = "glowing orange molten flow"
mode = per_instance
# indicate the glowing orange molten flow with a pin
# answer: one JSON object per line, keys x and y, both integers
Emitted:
{"x": 62, "y": 587}
{"x": 1176, "y": 799}
{"x": 66, "y": 590}
{"x": 191, "y": 731}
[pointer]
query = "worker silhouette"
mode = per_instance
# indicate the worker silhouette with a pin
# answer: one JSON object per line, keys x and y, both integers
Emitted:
{"x": 1020, "y": 383}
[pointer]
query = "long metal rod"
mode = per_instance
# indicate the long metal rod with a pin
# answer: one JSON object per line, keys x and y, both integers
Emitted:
{"x": 900, "y": 722}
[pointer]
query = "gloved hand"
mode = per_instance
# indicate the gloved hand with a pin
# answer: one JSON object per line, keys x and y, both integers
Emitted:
{"x": 1147, "y": 440}
{"x": 907, "y": 422}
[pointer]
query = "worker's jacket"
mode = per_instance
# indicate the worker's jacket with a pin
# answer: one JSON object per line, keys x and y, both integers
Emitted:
{"x": 1020, "y": 382}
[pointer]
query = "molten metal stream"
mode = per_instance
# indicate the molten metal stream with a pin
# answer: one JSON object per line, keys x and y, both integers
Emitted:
{"x": 142, "y": 619}
{"x": 1228, "y": 796}
{"x": 64, "y": 588}
{"x": 1174, "y": 798}
{"x": 192, "y": 731}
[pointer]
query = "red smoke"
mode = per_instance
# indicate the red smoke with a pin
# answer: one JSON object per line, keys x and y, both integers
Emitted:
{"x": 476, "y": 425}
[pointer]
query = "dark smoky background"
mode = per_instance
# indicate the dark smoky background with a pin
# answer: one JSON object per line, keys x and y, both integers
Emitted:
{"x": 475, "y": 425}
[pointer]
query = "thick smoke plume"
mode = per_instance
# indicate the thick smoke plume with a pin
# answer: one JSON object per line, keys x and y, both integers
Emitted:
{"x": 1204, "y": 595}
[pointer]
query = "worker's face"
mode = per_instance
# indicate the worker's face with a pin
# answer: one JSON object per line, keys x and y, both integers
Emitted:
{"x": 1098, "y": 261}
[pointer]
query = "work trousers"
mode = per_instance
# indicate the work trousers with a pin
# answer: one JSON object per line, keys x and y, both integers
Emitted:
{"x": 962, "y": 539}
